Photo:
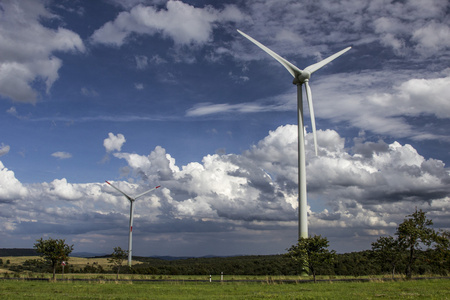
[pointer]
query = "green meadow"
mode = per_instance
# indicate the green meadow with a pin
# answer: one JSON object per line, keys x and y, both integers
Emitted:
{"x": 415, "y": 289}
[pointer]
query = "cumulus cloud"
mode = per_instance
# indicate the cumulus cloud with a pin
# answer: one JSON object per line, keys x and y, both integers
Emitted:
{"x": 193, "y": 25}
{"x": 61, "y": 189}
{"x": 62, "y": 155}
{"x": 26, "y": 49}
{"x": 354, "y": 193}
{"x": 265, "y": 176}
{"x": 10, "y": 187}
{"x": 114, "y": 142}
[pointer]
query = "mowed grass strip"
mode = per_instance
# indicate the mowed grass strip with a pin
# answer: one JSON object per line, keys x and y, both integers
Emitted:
{"x": 420, "y": 289}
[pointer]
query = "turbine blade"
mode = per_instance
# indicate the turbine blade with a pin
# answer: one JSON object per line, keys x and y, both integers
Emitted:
{"x": 289, "y": 66}
{"x": 140, "y": 195}
{"x": 128, "y": 197}
{"x": 311, "y": 113}
{"x": 320, "y": 64}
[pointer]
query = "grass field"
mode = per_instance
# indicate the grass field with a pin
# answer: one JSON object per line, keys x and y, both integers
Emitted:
{"x": 75, "y": 261}
{"x": 421, "y": 289}
{"x": 103, "y": 286}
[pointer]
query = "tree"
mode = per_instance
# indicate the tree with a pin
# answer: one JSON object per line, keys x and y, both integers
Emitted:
{"x": 53, "y": 250}
{"x": 117, "y": 258}
{"x": 388, "y": 250}
{"x": 440, "y": 255}
{"x": 413, "y": 234}
{"x": 311, "y": 253}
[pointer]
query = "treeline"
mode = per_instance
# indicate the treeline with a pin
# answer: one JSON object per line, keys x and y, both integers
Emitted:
{"x": 17, "y": 252}
{"x": 416, "y": 248}
{"x": 348, "y": 264}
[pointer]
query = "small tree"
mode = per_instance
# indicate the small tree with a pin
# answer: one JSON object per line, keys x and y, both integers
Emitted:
{"x": 388, "y": 250}
{"x": 311, "y": 253}
{"x": 53, "y": 250}
{"x": 413, "y": 234}
{"x": 440, "y": 256}
{"x": 117, "y": 258}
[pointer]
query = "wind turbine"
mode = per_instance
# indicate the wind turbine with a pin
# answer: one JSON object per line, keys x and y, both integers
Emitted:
{"x": 130, "y": 236}
{"x": 301, "y": 77}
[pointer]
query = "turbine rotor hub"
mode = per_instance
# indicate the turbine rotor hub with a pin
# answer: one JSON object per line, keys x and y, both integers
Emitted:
{"x": 302, "y": 77}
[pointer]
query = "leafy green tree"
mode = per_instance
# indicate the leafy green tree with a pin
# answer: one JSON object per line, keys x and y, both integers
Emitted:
{"x": 388, "y": 250}
{"x": 117, "y": 258}
{"x": 414, "y": 233}
{"x": 311, "y": 253}
{"x": 53, "y": 250}
{"x": 440, "y": 256}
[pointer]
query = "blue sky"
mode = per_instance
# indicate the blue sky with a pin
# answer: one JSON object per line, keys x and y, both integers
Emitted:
{"x": 146, "y": 93}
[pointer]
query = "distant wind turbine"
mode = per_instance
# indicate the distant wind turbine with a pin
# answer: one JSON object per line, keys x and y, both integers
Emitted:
{"x": 301, "y": 77}
{"x": 130, "y": 236}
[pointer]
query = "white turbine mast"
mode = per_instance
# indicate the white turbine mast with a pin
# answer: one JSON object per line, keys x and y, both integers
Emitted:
{"x": 301, "y": 77}
{"x": 130, "y": 235}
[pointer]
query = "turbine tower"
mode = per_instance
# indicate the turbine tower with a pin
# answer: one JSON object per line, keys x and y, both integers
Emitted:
{"x": 301, "y": 77}
{"x": 130, "y": 235}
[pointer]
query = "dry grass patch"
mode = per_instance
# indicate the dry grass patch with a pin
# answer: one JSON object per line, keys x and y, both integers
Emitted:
{"x": 75, "y": 262}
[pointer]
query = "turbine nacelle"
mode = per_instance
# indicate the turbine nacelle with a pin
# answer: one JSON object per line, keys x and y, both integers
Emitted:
{"x": 302, "y": 77}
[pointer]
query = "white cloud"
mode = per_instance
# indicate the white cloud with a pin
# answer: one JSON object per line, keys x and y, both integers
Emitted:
{"x": 354, "y": 194}
{"x": 114, "y": 142}
{"x": 422, "y": 96}
{"x": 61, "y": 189}
{"x": 157, "y": 60}
{"x": 10, "y": 187}
{"x": 363, "y": 100}
{"x": 139, "y": 86}
{"x": 62, "y": 155}
{"x": 409, "y": 28}
{"x": 141, "y": 62}
{"x": 89, "y": 92}
{"x": 279, "y": 103}
{"x": 193, "y": 25}
{"x": 13, "y": 112}
{"x": 432, "y": 38}
{"x": 26, "y": 49}
{"x": 391, "y": 174}
{"x": 4, "y": 149}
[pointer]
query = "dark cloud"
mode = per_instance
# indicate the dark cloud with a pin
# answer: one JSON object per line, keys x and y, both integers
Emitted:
{"x": 367, "y": 149}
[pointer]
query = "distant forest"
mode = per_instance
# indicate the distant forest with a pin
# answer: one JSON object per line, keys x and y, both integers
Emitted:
{"x": 17, "y": 252}
{"x": 348, "y": 264}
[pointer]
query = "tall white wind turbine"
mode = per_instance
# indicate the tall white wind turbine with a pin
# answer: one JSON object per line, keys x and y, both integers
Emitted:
{"x": 130, "y": 235}
{"x": 301, "y": 77}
